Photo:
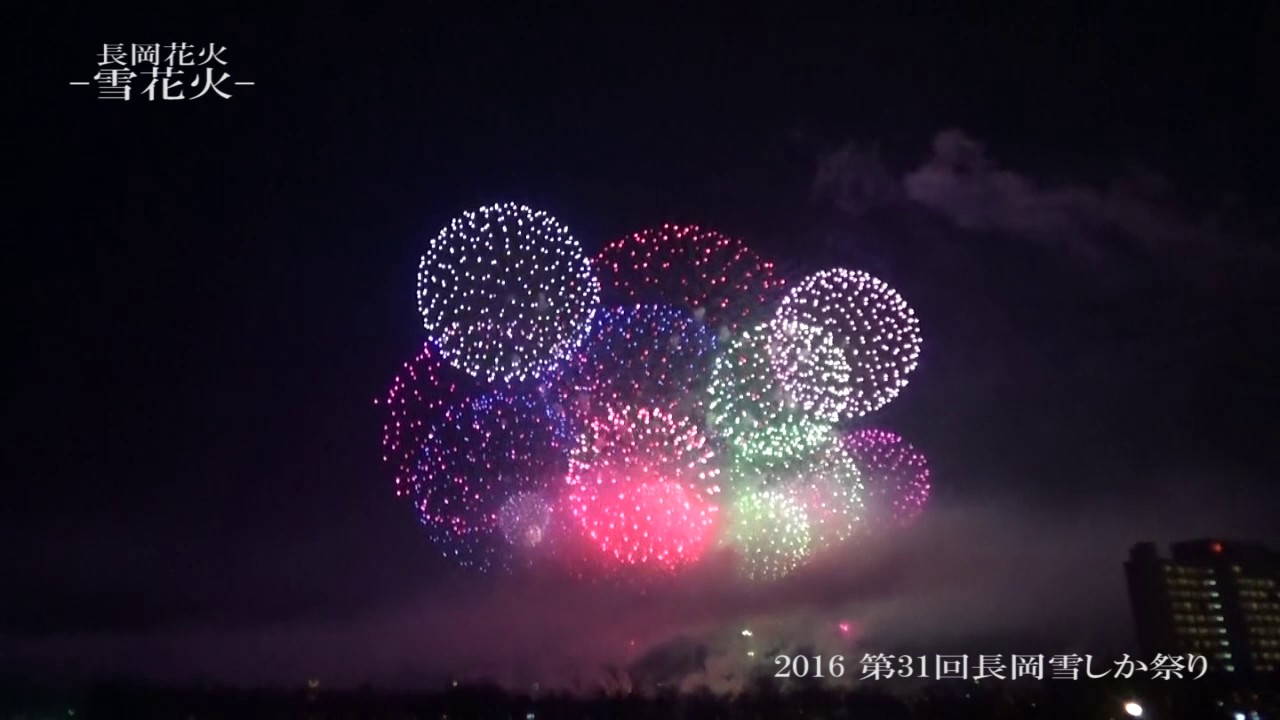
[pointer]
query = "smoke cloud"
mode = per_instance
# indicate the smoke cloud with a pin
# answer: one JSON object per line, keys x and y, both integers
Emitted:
{"x": 968, "y": 578}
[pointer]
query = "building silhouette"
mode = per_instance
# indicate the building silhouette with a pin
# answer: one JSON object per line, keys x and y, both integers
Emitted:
{"x": 1210, "y": 597}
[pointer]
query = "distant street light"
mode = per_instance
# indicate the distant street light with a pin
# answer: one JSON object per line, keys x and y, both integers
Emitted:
{"x": 1133, "y": 709}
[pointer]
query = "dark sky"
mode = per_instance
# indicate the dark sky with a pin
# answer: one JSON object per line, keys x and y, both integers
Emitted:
{"x": 211, "y": 293}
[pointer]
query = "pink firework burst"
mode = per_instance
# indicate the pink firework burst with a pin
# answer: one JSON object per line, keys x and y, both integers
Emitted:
{"x": 641, "y": 485}
{"x": 724, "y": 282}
{"x": 638, "y": 522}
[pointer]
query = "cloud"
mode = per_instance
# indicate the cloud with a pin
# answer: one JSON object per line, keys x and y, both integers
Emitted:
{"x": 855, "y": 179}
{"x": 967, "y": 186}
{"x": 1132, "y": 221}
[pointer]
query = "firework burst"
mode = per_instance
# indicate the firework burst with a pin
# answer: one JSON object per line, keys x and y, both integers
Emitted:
{"x": 747, "y": 408}
{"x": 480, "y": 454}
{"x": 650, "y": 354}
{"x": 505, "y": 291}
{"x": 724, "y": 282}
{"x": 843, "y": 343}
{"x": 895, "y": 473}
{"x": 771, "y": 531}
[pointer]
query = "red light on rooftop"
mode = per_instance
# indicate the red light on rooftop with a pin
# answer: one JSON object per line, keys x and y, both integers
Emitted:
{"x": 1216, "y": 547}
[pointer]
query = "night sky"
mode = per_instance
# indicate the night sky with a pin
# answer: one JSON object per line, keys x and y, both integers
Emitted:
{"x": 210, "y": 295}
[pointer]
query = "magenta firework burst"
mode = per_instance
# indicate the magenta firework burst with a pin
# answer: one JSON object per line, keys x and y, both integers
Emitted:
{"x": 895, "y": 474}
{"x": 481, "y": 453}
{"x": 415, "y": 399}
{"x": 843, "y": 343}
{"x": 505, "y": 291}
{"x": 719, "y": 278}
{"x": 642, "y": 354}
